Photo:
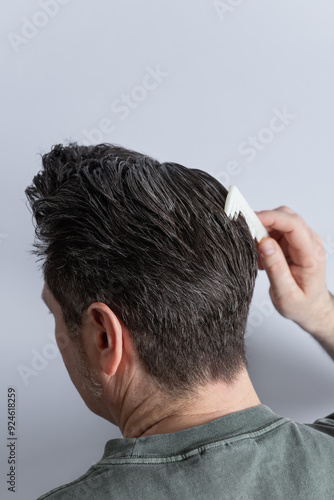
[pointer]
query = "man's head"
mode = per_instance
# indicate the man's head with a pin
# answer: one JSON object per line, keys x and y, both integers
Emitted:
{"x": 150, "y": 243}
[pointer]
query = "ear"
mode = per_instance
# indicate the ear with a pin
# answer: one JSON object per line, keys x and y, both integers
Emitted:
{"x": 107, "y": 337}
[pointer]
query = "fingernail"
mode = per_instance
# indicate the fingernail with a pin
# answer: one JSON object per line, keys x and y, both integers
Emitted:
{"x": 267, "y": 249}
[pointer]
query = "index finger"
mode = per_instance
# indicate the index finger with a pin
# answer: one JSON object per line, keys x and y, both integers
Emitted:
{"x": 298, "y": 234}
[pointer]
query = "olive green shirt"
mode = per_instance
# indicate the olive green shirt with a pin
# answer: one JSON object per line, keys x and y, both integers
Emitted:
{"x": 252, "y": 454}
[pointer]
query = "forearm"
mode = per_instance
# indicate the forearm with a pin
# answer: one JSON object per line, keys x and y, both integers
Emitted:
{"x": 323, "y": 329}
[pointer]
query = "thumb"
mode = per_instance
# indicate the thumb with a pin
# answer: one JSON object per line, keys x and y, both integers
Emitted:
{"x": 278, "y": 271}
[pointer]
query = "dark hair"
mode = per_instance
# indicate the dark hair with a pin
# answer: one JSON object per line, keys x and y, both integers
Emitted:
{"x": 151, "y": 240}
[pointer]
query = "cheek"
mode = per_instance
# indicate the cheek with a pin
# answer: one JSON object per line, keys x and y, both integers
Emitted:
{"x": 67, "y": 351}
{"x": 64, "y": 345}
{"x": 65, "y": 354}
{"x": 62, "y": 338}
{"x": 63, "y": 341}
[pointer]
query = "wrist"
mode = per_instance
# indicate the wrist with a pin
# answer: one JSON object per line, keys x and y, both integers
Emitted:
{"x": 322, "y": 326}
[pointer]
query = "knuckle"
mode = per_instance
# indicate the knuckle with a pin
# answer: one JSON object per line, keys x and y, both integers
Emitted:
{"x": 285, "y": 208}
{"x": 319, "y": 240}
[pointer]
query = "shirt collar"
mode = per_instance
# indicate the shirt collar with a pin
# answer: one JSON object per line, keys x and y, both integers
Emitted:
{"x": 162, "y": 445}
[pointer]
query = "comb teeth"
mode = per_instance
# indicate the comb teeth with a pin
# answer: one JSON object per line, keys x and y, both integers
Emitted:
{"x": 251, "y": 227}
{"x": 236, "y": 204}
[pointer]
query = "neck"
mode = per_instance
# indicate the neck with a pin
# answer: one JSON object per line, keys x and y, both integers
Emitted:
{"x": 152, "y": 414}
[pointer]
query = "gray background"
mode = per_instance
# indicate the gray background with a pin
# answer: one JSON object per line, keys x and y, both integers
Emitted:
{"x": 225, "y": 76}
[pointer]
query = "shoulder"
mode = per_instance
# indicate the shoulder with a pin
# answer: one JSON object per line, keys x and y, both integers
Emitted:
{"x": 84, "y": 487}
{"x": 324, "y": 425}
{"x": 315, "y": 438}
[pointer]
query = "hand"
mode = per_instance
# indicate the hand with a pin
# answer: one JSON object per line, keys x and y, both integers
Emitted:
{"x": 295, "y": 261}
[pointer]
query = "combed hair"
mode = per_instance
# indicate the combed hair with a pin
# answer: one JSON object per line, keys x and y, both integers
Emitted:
{"x": 150, "y": 240}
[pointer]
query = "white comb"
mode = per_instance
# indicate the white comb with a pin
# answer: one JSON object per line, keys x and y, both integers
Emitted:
{"x": 236, "y": 203}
